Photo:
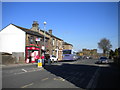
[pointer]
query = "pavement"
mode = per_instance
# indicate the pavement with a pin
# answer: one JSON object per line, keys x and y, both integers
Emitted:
{"x": 24, "y": 64}
{"x": 16, "y": 65}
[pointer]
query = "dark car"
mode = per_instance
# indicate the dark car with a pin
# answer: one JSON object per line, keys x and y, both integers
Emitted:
{"x": 79, "y": 57}
{"x": 102, "y": 60}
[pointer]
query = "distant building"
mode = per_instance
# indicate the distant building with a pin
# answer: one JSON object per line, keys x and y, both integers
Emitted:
{"x": 80, "y": 53}
{"x": 91, "y": 53}
{"x": 67, "y": 45}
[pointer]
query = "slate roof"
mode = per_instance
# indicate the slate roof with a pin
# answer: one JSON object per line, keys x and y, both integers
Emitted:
{"x": 52, "y": 35}
{"x": 65, "y": 43}
{"x": 29, "y": 31}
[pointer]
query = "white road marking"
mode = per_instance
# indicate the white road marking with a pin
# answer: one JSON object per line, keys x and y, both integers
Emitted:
{"x": 44, "y": 79}
{"x": 24, "y": 70}
{"x": 19, "y": 73}
{"x": 59, "y": 78}
{"x": 27, "y": 85}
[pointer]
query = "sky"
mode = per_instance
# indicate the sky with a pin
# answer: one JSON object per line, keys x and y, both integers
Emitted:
{"x": 82, "y": 24}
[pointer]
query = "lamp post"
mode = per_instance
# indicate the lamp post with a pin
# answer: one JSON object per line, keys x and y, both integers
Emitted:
{"x": 44, "y": 33}
{"x": 43, "y": 61}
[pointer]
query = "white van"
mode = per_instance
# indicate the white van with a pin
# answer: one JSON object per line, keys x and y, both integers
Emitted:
{"x": 53, "y": 58}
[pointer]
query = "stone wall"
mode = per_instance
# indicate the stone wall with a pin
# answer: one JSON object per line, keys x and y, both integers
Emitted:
{"x": 19, "y": 57}
{"x": 0, "y": 58}
{"x": 15, "y": 57}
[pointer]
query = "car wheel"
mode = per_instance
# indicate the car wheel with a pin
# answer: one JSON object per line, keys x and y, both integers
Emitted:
{"x": 52, "y": 60}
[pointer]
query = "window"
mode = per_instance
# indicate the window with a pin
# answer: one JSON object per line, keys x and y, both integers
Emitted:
{"x": 46, "y": 40}
{"x": 53, "y": 42}
{"x": 67, "y": 52}
{"x": 57, "y": 43}
{"x": 31, "y": 40}
{"x": 52, "y": 51}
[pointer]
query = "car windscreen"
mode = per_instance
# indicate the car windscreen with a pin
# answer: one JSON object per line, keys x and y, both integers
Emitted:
{"x": 53, "y": 56}
{"x": 103, "y": 57}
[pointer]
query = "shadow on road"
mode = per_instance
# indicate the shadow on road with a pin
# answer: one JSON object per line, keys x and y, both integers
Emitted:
{"x": 77, "y": 74}
{"x": 109, "y": 76}
{"x": 80, "y": 75}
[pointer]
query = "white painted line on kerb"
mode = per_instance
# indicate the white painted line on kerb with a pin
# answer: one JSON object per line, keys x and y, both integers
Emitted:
{"x": 106, "y": 65}
{"x": 59, "y": 78}
{"x": 92, "y": 83}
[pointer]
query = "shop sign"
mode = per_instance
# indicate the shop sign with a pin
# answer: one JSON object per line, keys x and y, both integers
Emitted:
{"x": 37, "y": 39}
{"x": 28, "y": 47}
{"x": 37, "y": 49}
{"x": 32, "y": 48}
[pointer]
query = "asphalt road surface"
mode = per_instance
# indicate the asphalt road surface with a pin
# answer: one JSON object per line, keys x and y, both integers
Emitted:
{"x": 83, "y": 74}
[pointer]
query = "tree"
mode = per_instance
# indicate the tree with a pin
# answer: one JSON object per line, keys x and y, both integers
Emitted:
{"x": 116, "y": 52}
{"x": 111, "y": 54}
{"x": 116, "y": 56}
{"x": 105, "y": 45}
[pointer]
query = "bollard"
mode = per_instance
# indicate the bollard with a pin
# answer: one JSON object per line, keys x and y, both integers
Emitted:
{"x": 43, "y": 62}
{"x": 39, "y": 62}
{"x": 49, "y": 62}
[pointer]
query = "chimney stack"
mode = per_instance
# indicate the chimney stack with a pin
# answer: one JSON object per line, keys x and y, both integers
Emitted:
{"x": 35, "y": 26}
{"x": 50, "y": 31}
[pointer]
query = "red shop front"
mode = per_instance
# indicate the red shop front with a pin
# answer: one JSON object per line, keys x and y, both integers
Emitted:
{"x": 32, "y": 53}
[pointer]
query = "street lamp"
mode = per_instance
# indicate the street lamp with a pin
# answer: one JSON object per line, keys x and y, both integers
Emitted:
{"x": 44, "y": 33}
{"x": 43, "y": 61}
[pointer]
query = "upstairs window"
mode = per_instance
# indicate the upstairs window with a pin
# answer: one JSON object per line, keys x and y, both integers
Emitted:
{"x": 53, "y": 42}
{"x": 31, "y": 40}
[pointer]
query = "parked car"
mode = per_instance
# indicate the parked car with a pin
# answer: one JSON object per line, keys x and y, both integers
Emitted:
{"x": 79, "y": 57}
{"x": 53, "y": 58}
{"x": 102, "y": 60}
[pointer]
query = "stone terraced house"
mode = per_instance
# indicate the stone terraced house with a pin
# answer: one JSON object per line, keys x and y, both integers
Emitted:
{"x": 21, "y": 42}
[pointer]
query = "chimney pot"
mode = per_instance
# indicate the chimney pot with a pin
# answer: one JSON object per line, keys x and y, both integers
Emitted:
{"x": 50, "y": 31}
{"x": 35, "y": 26}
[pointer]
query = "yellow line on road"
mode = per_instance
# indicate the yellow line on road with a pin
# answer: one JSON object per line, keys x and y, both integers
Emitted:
{"x": 27, "y": 85}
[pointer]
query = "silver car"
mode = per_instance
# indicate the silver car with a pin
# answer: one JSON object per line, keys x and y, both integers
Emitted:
{"x": 102, "y": 60}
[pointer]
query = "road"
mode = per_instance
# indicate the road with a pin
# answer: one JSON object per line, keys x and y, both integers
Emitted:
{"x": 83, "y": 74}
